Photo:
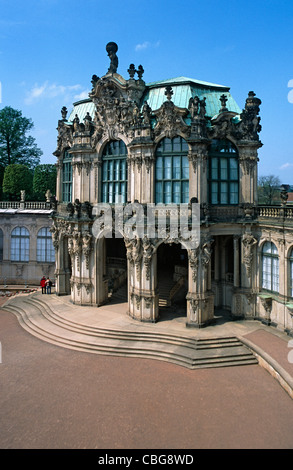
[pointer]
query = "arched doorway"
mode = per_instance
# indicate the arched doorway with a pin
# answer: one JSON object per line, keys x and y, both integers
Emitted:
{"x": 172, "y": 279}
{"x": 116, "y": 269}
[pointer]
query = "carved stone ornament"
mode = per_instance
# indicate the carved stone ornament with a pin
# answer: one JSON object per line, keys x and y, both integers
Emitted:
{"x": 170, "y": 119}
{"x": 134, "y": 251}
{"x": 245, "y": 126}
{"x": 117, "y": 107}
{"x": 65, "y": 137}
{"x": 148, "y": 251}
{"x": 248, "y": 242}
{"x": 198, "y": 155}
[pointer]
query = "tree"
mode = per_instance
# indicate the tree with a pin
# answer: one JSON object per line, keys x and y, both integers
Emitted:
{"x": 44, "y": 179}
{"x": 15, "y": 145}
{"x": 269, "y": 190}
{"x": 17, "y": 177}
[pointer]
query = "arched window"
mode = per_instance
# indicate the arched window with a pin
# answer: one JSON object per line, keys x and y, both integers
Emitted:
{"x": 114, "y": 172}
{"x": 270, "y": 267}
{"x": 223, "y": 173}
{"x": 20, "y": 243}
{"x": 67, "y": 178}
{"x": 1, "y": 245}
{"x": 45, "y": 248}
{"x": 291, "y": 273}
{"x": 172, "y": 171}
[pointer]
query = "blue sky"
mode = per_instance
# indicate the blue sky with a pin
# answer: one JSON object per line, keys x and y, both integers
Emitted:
{"x": 50, "y": 49}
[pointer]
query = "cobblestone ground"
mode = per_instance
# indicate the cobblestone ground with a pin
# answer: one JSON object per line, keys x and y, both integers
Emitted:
{"x": 55, "y": 398}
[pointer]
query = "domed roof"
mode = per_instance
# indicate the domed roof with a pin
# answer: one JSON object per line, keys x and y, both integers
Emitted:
{"x": 183, "y": 89}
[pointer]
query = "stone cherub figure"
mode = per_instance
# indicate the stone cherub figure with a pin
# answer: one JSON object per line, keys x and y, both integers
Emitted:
{"x": 112, "y": 48}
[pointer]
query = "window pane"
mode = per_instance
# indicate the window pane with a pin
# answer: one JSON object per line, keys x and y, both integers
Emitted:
{"x": 224, "y": 193}
{"x": 176, "y": 168}
{"x": 159, "y": 192}
{"x": 167, "y": 168}
{"x": 176, "y": 192}
{"x": 224, "y": 169}
{"x": 185, "y": 168}
{"x": 215, "y": 193}
{"x": 233, "y": 193}
{"x": 167, "y": 193}
{"x": 114, "y": 170}
{"x": 233, "y": 169}
{"x": 172, "y": 171}
{"x": 185, "y": 192}
{"x": 214, "y": 168}
{"x": 159, "y": 168}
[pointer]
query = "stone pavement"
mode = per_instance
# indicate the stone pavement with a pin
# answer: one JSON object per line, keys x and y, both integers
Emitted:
{"x": 54, "y": 397}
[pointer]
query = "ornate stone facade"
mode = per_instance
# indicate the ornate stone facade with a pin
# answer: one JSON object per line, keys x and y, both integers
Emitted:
{"x": 136, "y": 127}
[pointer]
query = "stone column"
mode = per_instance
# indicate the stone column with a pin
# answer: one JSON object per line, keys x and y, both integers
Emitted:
{"x": 248, "y": 174}
{"x": 198, "y": 172}
{"x": 200, "y": 300}
{"x": 236, "y": 276}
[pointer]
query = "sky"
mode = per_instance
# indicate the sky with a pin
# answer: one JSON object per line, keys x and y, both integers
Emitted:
{"x": 50, "y": 49}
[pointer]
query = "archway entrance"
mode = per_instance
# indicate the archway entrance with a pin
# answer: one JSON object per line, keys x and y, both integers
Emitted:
{"x": 116, "y": 269}
{"x": 172, "y": 279}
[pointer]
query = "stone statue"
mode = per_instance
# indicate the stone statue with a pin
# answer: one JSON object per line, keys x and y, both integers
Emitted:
{"x": 112, "y": 48}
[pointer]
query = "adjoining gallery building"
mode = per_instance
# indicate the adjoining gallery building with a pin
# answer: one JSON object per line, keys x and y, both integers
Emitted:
{"x": 170, "y": 145}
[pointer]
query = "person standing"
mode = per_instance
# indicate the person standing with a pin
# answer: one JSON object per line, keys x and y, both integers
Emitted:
{"x": 48, "y": 285}
{"x": 43, "y": 285}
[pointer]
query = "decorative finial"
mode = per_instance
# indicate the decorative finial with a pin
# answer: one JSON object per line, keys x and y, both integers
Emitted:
{"x": 131, "y": 70}
{"x": 140, "y": 72}
{"x": 168, "y": 92}
{"x": 64, "y": 113}
{"x": 112, "y": 48}
{"x": 223, "y": 99}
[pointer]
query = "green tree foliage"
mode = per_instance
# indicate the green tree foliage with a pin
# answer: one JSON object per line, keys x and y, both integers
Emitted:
{"x": 16, "y": 146}
{"x": 44, "y": 179}
{"x": 269, "y": 190}
{"x": 17, "y": 177}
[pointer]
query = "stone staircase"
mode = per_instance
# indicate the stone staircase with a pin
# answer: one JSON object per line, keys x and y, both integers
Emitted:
{"x": 167, "y": 290}
{"x": 120, "y": 295}
{"x": 45, "y": 319}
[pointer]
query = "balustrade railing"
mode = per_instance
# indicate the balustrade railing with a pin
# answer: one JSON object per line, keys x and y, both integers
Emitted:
{"x": 34, "y": 205}
{"x": 272, "y": 212}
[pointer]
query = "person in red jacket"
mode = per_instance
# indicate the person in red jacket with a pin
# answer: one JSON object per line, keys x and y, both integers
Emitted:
{"x": 43, "y": 285}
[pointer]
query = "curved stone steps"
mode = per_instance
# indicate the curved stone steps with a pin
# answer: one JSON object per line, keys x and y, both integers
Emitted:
{"x": 54, "y": 317}
{"x": 38, "y": 318}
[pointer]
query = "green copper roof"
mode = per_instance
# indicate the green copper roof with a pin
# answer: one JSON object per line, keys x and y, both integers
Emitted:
{"x": 181, "y": 80}
{"x": 81, "y": 108}
{"x": 185, "y": 88}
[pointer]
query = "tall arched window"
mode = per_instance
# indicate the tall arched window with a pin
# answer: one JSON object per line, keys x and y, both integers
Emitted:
{"x": 223, "y": 173}
{"x": 291, "y": 273}
{"x": 67, "y": 178}
{"x": 270, "y": 267}
{"x": 20, "y": 243}
{"x": 114, "y": 172}
{"x": 45, "y": 248}
{"x": 172, "y": 171}
{"x": 1, "y": 245}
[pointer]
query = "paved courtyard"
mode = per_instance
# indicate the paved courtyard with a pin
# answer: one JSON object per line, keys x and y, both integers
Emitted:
{"x": 56, "y": 398}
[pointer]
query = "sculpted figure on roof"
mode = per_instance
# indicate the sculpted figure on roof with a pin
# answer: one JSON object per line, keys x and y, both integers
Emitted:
{"x": 112, "y": 48}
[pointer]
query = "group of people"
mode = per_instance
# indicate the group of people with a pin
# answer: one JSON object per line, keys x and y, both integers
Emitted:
{"x": 46, "y": 285}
